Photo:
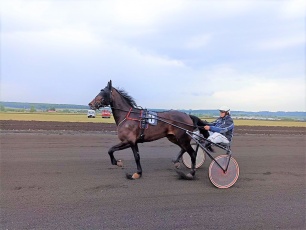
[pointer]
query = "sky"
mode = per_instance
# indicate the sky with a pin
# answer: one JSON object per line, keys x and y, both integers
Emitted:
{"x": 167, "y": 54}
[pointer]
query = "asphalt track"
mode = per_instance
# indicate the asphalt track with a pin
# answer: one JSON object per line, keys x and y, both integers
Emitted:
{"x": 64, "y": 180}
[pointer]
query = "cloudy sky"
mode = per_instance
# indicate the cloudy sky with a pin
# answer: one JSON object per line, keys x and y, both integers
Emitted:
{"x": 170, "y": 54}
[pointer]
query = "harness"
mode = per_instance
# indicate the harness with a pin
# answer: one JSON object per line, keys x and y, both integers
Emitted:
{"x": 146, "y": 117}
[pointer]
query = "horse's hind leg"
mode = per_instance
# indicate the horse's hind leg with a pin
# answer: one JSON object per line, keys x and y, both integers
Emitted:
{"x": 192, "y": 155}
{"x": 120, "y": 146}
{"x": 137, "y": 160}
{"x": 176, "y": 161}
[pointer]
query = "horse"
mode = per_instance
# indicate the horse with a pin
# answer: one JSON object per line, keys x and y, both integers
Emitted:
{"x": 133, "y": 128}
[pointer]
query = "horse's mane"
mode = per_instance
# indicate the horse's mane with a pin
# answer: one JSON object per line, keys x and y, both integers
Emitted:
{"x": 127, "y": 97}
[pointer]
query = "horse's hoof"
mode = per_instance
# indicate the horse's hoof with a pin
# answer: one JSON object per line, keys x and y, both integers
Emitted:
{"x": 119, "y": 163}
{"x": 189, "y": 177}
{"x": 133, "y": 177}
{"x": 184, "y": 176}
{"x": 177, "y": 165}
{"x": 136, "y": 176}
{"x": 129, "y": 176}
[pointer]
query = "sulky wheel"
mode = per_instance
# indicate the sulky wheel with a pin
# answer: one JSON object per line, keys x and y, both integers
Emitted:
{"x": 199, "y": 160}
{"x": 218, "y": 177}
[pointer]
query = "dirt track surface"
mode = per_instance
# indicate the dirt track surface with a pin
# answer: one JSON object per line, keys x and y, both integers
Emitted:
{"x": 60, "y": 177}
{"x": 103, "y": 127}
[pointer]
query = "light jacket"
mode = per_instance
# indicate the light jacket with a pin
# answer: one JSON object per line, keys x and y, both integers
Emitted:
{"x": 224, "y": 125}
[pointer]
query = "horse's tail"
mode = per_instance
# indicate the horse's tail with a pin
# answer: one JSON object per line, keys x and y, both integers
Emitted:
{"x": 197, "y": 122}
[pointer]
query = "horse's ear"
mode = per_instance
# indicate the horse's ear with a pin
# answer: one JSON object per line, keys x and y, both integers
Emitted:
{"x": 110, "y": 84}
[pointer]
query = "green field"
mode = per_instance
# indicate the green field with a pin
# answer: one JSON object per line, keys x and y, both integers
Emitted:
{"x": 71, "y": 117}
{"x": 62, "y": 117}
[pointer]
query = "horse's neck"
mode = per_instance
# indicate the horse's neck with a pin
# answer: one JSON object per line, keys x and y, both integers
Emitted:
{"x": 120, "y": 107}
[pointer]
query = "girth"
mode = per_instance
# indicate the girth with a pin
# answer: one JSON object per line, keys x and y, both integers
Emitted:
{"x": 143, "y": 121}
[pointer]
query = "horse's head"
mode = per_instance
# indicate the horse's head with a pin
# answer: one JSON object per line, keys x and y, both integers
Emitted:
{"x": 104, "y": 98}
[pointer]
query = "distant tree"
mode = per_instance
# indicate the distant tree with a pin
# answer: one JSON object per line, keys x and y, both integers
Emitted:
{"x": 32, "y": 109}
{"x": 52, "y": 108}
{"x": 2, "y": 108}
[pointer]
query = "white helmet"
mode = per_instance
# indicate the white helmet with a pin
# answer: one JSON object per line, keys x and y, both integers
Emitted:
{"x": 224, "y": 108}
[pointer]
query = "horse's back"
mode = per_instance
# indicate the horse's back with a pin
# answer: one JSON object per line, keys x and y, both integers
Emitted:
{"x": 177, "y": 118}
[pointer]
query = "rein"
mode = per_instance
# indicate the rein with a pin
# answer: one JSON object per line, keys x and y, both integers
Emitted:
{"x": 165, "y": 120}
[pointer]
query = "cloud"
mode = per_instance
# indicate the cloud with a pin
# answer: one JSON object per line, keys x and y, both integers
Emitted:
{"x": 143, "y": 13}
{"x": 283, "y": 94}
{"x": 293, "y": 9}
{"x": 283, "y": 42}
{"x": 71, "y": 37}
{"x": 166, "y": 54}
{"x": 198, "y": 41}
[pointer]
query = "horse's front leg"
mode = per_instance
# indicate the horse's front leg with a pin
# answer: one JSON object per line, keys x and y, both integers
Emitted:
{"x": 120, "y": 146}
{"x": 137, "y": 160}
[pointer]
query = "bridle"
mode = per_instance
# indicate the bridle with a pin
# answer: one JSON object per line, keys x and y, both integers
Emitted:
{"x": 103, "y": 101}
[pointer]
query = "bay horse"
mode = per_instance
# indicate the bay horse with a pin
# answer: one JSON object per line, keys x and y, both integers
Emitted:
{"x": 128, "y": 117}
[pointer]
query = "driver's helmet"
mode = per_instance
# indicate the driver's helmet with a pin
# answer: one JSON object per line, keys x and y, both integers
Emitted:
{"x": 224, "y": 109}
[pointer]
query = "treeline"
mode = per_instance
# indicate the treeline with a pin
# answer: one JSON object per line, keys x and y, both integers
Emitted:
{"x": 202, "y": 112}
{"x": 40, "y": 106}
{"x": 301, "y": 116}
{"x": 295, "y": 114}
{"x": 33, "y": 107}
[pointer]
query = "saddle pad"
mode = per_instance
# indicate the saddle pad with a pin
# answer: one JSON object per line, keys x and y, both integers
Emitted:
{"x": 151, "y": 118}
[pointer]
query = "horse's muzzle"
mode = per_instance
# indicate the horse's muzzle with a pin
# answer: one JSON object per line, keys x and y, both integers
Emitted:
{"x": 91, "y": 106}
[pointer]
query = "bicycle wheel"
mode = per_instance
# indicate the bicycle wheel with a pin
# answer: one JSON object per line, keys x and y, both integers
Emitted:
{"x": 222, "y": 179}
{"x": 199, "y": 160}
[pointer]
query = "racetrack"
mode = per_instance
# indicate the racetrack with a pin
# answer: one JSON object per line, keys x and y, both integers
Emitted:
{"x": 63, "y": 179}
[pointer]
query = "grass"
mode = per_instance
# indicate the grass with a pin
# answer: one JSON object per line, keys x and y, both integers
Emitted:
{"x": 61, "y": 117}
{"x": 71, "y": 117}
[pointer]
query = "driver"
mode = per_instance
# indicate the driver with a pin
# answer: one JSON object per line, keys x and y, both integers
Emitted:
{"x": 221, "y": 130}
